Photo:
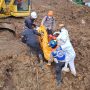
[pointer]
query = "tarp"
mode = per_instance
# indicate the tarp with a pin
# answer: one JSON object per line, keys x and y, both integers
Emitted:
{"x": 44, "y": 43}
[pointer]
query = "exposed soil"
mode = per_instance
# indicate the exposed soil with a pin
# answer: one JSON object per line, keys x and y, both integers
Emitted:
{"x": 19, "y": 69}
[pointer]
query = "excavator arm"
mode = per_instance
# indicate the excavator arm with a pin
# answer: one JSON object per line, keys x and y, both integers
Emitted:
{"x": 12, "y": 2}
{"x": 2, "y": 4}
{"x": 14, "y": 8}
{"x": 4, "y": 7}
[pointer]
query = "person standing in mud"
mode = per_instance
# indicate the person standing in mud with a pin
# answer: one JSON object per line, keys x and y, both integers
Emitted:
{"x": 49, "y": 22}
{"x": 58, "y": 56}
{"x": 29, "y": 36}
{"x": 63, "y": 40}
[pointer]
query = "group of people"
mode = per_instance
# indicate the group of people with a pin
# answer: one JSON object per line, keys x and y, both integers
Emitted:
{"x": 62, "y": 53}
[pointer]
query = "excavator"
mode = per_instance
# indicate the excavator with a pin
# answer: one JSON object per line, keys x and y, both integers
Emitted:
{"x": 21, "y": 8}
{"x": 15, "y": 8}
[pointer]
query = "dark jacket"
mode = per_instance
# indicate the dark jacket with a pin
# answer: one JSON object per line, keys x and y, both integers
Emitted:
{"x": 29, "y": 22}
{"x": 31, "y": 37}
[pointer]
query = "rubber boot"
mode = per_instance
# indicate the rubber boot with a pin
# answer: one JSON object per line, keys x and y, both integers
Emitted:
{"x": 58, "y": 73}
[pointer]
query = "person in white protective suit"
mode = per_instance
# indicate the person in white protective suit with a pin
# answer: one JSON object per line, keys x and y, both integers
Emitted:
{"x": 64, "y": 41}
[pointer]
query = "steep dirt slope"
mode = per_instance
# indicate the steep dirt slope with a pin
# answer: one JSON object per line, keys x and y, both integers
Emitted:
{"x": 19, "y": 69}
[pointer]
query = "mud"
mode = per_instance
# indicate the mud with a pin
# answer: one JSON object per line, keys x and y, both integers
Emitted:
{"x": 20, "y": 70}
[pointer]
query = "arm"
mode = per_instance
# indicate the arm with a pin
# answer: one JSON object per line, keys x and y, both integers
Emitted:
{"x": 63, "y": 37}
{"x": 26, "y": 23}
{"x": 54, "y": 25}
{"x": 50, "y": 60}
{"x": 36, "y": 32}
{"x": 43, "y": 20}
{"x": 24, "y": 33}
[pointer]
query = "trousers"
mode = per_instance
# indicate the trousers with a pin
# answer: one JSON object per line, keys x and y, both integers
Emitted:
{"x": 72, "y": 67}
{"x": 70, "y": 60}
{"x": 37, "y": 51}
{"x": 58, "y": 70}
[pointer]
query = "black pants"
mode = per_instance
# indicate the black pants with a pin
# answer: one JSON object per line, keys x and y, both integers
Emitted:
{"x": 49, "y": 31}
{"x": 37, "y": 49}
{"x": 58, "y": 69}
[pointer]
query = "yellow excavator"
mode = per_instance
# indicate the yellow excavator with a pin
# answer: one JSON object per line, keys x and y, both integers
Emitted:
{"x": 21, "y": 8}
{"x": 17, "y": 8}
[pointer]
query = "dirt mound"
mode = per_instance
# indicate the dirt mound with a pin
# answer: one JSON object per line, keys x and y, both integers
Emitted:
{"x": 20, "y": 70}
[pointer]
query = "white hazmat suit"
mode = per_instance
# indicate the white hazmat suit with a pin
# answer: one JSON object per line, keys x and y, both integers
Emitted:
{"x": 64, "y": 41}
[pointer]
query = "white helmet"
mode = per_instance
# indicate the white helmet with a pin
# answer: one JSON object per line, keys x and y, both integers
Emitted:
{"x": 34, "y": 15}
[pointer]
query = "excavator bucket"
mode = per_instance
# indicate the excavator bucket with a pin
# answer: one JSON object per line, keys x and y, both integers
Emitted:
{"x": 44, "y": 42}
{"x": 7, "y": 26}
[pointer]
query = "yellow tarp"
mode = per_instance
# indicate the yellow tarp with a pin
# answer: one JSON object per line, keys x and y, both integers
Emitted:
{"x": 44, "y": 43}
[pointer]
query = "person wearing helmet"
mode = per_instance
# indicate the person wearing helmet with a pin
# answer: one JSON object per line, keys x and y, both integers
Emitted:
{"x": 29, "y": 22}
{"x": 31, "y": 40}
{"x": 29, "y": 36}
{"x": 58, "y": 55}
{"x": 63, "y": 40}
{"x": 49, "y": 22}
{"x": 53, "y": 43}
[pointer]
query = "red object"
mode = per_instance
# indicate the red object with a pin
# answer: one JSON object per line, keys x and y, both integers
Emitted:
{"x": 52, "y": 37}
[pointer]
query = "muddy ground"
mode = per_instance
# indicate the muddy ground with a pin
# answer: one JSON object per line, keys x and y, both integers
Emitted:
{"x": 19, "y": 69}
